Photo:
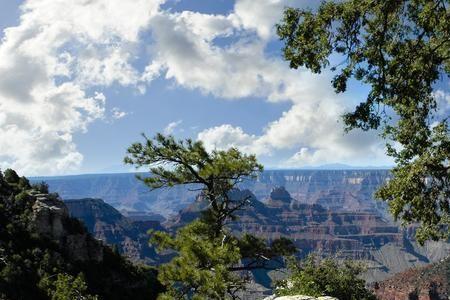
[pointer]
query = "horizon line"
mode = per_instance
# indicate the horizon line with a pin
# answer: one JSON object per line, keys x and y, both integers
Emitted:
{"x": 369, "y": 168}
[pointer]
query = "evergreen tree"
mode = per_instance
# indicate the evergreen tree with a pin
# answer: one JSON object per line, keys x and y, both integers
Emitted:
{"x": 211, "y": 263}
{"x": 67, "y": 287}
{"x": 325, "y": 277}
{"x": 401, "y": 49}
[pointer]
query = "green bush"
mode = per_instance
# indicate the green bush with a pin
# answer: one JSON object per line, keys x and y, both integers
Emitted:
{"x": 325, "y": 277}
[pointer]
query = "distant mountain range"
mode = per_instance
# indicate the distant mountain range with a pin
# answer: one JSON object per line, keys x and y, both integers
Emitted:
{"x": 338, "y": 166}
{"x": 338, "y": 189}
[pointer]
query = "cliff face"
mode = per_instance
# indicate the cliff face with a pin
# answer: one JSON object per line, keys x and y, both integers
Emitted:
{"x": 51, "y": 220}
{"x": 123, "y": 191}
{"x": 312, "y": 227}
{"x": 335, "y": 189}
{"x": 347, "y": 190}
{"x": 109, "y": 225}
{"x": 361, "y": 235}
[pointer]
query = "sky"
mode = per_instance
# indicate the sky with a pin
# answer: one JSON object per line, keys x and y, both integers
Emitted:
{"x": 80, "y": 80}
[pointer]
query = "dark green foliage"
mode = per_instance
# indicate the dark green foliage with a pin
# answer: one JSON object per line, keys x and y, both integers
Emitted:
{"x": 325, "y": 277}
{"x": 257, "y": 253}
{"x": 67, "y": 287}
{"x": 210, "y": 263}
{"x": 32, "y": 265}
{"x": 401, "y": 49}
{"x": 117, "y": 278}
{"x": 11, "y": 176}
{"x": 201, "y": 268}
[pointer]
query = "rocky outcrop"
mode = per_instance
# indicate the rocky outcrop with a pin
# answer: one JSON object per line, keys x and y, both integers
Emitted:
{"x": 327, "y": 211}
{"x": 51, "y": 220}
{"x": 279, "y": 198}
{"x": 39, "y": 240}
{"x": 343, "y": 190}
{"x": 123, "y": 191}
{"x": 49, "y": 215}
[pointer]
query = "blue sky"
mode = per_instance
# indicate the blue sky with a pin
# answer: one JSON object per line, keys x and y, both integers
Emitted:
{"x": 80, "y": 80}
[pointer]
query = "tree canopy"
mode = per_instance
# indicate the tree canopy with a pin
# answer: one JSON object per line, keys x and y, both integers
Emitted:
{"x": 401, "y": 49}
{"x": 211, "y": 263}
{"x": 330, "y": 277}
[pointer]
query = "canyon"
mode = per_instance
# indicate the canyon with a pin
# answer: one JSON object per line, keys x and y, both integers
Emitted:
{"x": 350, "y": 190}
{"x": 332, "y": 212}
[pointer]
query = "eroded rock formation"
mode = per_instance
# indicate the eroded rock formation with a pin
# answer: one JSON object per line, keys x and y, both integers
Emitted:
{"x": 51, "y": 219}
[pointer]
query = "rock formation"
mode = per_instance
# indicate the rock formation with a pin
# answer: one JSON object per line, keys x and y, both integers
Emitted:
{"x": 51, "y": 219}
{"x": 364, "y": 235}
{"x": 40, "y": 241}
{"x": 49, "y": 214}
{"x": 329, "y": 211}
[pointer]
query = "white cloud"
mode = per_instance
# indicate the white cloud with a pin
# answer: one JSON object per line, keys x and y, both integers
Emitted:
{"x": 261, "y": 16}
{"x": 194, "y": 62}
{"x": 62, "y": 51}
{"x": 226, "y": 136}
{"x": 170, "y": 128}
{"x": 241, "y": 68}
{"x": 59, "y": 50}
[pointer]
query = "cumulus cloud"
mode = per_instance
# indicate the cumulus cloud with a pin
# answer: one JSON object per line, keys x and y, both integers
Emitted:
{"x": 62, "y": 51}
{"x": 186, "y": 51}
{"x": 59, "y": 51}
{"x": 261, "y": 16}
{"x": 226, "y": 136}
{"x": 241, "y": 68}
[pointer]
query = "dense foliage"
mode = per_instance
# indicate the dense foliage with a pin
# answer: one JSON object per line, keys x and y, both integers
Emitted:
{"x": 325, "y": 277}
{"x": 35, "y": 267}
{"x": 210, "y": 262}
{"x": 67, "y": 287}
{"x": 401, "y": 49}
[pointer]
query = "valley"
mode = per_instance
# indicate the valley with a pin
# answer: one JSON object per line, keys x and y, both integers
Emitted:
{"x": 331, "y": 212}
